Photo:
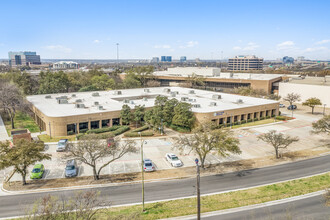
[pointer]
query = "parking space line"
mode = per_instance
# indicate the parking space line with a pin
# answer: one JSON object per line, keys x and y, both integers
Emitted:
{"x": 45, "y": 174}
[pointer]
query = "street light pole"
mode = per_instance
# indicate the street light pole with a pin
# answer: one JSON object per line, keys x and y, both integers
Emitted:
{"x": 117, "y": 55}
{"x": 142, "y": 172}
{"x": 198, "y": 191}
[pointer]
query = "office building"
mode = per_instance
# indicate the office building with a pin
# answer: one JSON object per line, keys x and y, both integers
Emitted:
{"x": 155, "y": 60}
{"x": 243, "y": 63}
{"x": 183, "y": 59}
{"x": 23, "y": 58}
{"x": 65, "y": 65}
{"x": 288, "y": 60}
{"x": 166, "y": 59}
{"x": 62, "y": 114}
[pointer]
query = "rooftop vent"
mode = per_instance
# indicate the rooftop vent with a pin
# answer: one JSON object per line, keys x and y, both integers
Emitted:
{"x": 73, "y": 95}
{"x": 100, "y": 107}
{"x": 196, "y": 105}
{"x": 48, "y": 97}
{"x": 95, "y": 94}
{"x": 213, "y": 104}
{"x": 173, "y": 94}
{"x": 239, "y": 101}
{"x": 62, "y": 97}
{"x": 80, "y": 105}
{"x": 192, "y": 100}
{"x": 145, "y": 99}
{"x": 216, "y": 97}
{"x": 126, "y": 100}
{"x": 117, "y": 93}
{"x": 184, "y": 99}
{"x": 167, "y": 90}
{"x": 191, "y": 91}
{"x": 131, "y": 102}
{"x": 78, "y": 100}
{"x": 62, "y": 101}
{"x": 96, "y": 103}
{"x": 146, "y": 90}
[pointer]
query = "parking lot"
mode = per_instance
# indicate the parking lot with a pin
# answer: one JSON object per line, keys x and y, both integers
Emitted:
{"x": 156, "y": 148}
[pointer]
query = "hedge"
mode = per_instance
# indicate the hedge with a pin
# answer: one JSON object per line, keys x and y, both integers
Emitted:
{"x": 256, "y": 119}
{"x": 249, "y": 120}
{"x": 119, "y": 130}
{"x": 71, "y": 133}
{"x": 83, "y": 130}
{"x": 262, "y": 118}
{"x": 283, "y": 118}
{"x": 136, "y": 134}
{"x": 103, "y": 130}
{"x": 143, "y": 128}
{"x": 267, "y": 117}
{"x": 243, "y": 121}
{"x": 180, "y": 129}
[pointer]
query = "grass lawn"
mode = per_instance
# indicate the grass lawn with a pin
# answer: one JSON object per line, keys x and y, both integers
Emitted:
{"x": 22, "y": 121}
{"x": 221, "y": 201}
{"x": 260, "y": 122}
{"x": 46, "y": 138}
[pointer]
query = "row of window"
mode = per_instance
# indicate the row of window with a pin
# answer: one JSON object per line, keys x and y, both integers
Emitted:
{"x": 83, "y": 126}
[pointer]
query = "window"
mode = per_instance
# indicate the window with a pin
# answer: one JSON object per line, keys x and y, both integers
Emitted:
{"x": 220, "y": 121}
{"x": 267, "y": 113}
{"x": 116, "y": 121}
{"x": 255, "y": 115}
{"x": 242, "y": 117}
{"x": 71, "y": 129}
{"x": 95, "y": 124}
{"x": 235, "y": 118}
{"x": 228, "y": 119}
{"x": 106, "y": 123}
{"x": 83, "y": 125}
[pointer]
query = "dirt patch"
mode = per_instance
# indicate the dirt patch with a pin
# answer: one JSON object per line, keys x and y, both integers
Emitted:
{"x": 184, "y": 172}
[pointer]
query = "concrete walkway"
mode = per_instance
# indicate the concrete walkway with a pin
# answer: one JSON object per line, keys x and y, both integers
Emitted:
{"x": 3, "y": 132}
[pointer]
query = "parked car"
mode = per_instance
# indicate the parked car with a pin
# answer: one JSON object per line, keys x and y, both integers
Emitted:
{"x": 292, "y": 107}
{"x": 148, "y": 165}
{"x": 61, "y": 145}
{"x": 71, "y": 169}
{"x": 282, "y": 106}
{"x": 37, "y": 171}
{"x": 174, "y": 160}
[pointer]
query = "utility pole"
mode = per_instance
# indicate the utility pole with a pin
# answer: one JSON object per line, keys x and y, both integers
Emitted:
{"x": 198, "y": 191}
{"x": 142, "y": 172}
{"x": 117, "y": 55}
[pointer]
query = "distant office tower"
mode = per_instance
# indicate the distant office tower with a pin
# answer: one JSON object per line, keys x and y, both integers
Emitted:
{"x": 288, "y": 60}
{"x": 23, "y": 58}
{"x": 183, "y": 59}
{"x": 65, "y": 65}
{"x": 155, "y": 60}
{"x": 166, "y": 58}
{"x": 245, "y": 63}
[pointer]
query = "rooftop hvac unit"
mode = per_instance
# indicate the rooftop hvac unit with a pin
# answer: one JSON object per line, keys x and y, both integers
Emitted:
{"x": 48, "y": 97}
{"x": 80, "y": 105}
{"x": 126, "y": 100}
{"x": 95, "y": 94}
{"x": 196, "y": 105}
{"x": 231, "y": 75}
{"x": 145, "y": 99}
{"x": 62, "y": 101}
{"x": 216, "y": 97}
{"x": 96, "y": 103}
{"x": 173, "y": 94}
{"x": 73, "y": 95}
{"x": 191, "y": 91}
{"x": 192, "y": 100}
{"x": 239, "y": 101}
{"x": 213, "y": 104}
{"x": 117, "y": 93}
{"x": 62, "y": 97}
{"x": 78, "y": 100}
{"x": 100, "y": 107}
{"x": 146, "y": 90}
{"x": 167, "y": 90}
{"x": 184, "y": 99}
{"x": 131, "y": 102}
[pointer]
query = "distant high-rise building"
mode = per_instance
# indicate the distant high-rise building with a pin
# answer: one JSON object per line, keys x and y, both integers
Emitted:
{"x": 245, "y": 63}
{"x": 183, "y": 59}
{"x": 65, "y": 65}
{"x": 166, "y": 59}
{"x": 288, "y": 60}
{"x": 23, "y": 58}
{"x": 155, "y": 60}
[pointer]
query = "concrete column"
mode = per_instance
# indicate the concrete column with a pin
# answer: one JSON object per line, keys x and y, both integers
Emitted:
{"x": 111, "y": 122}
{"x": 89, "y": 125}
{"x": 100, "y": 123}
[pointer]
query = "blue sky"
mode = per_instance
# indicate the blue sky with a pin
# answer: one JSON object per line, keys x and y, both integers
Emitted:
{"x": 147, "y": 28}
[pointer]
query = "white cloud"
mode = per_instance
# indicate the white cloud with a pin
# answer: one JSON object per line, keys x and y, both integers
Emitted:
{"x": 96, "y": 41}
{"x": 322, "y": 42}
{"x": 286, "y": 45}
{"x": 190, "y": 44}
{"x": 165, "y": 46}
{"x": 315, "y": 49}
{"x": 237, "y": 48}
{"x": 59, "y": 48}
{"x": 251, "y": 46}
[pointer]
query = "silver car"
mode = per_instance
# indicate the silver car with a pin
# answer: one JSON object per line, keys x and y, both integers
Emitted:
{"x": 148, "y": 166}
{"x": 61, "y": 145}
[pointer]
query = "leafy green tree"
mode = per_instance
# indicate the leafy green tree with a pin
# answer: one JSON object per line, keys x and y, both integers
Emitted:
{"x": 277, "y": 140}
{"x": 196, "y": 80}
{"x": 183, "y": 116}
{"x": 312, "y": 102}
{"x": 168, "y": 111}
{"x": 88, "y": 88}
{"x": 126, "y": 114}
{"x": 21, "y": 156}
{"x": 322, "y": 125}
{"x": 103, "y": 82}
{"x": 25, "y": 82}
{"x": 138, "y": 113}
{"x": 158, "y": 111}
{"x": 53, "y": 82}
{"x": 205, "y": 140}
{"x": 143, "y": 74}
{"x": 149, "y": 117}
{"x": 131, "y": 81}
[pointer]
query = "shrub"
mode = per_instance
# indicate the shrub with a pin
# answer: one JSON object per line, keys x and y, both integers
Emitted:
{"x": 136, "y": 134}
{"x": 273, "y": 115}
{"x": 120, "y": 130}
{"x": 180, "y": 129}
{"x": 103, "y": 130}
{"x": 262, "y": 118}
{"x": 283, "y": 118}
{"x": 256, "y": 119}
{"x": 83, "y": 130}
{"x": 71, "y": 133}
{"x": 249, "y": 120}
{"x": 243, "y": 121}
{"x": 268, "y": 117}
{"x": 143, "y": 128}
{"x": 80, "y": 135}
{"x": 236, "y": 123}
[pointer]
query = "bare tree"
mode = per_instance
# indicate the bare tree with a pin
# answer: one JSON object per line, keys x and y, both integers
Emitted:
{"x": 11, "y": 100}
{"x": 205, "y": 140}
{"x": 291, "y": 98}
{"x": 90, "y": 150}
{"x": 153, "y": 83}
{"x": 277, "y": 140}
{"x": 322, "y": 125}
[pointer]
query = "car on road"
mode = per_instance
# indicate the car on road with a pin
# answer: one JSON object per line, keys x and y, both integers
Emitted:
{"x": 292, "y": 107}
{"x": 37, "y": 171}
{"x": 173, "y": 160}
{"x": 148, "y": 166}
{"x": 282, "y": 106}
{"x": 71, "y": 169}
{"x": 61, "y": 145}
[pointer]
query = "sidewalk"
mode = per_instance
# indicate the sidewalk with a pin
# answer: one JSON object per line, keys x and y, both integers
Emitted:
{"x": 3, "y": 132}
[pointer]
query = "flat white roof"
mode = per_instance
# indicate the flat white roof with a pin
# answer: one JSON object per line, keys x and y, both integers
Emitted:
{"x": 110, "y": 101}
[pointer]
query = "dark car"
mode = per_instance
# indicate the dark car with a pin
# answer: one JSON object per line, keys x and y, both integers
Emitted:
{"x": 292, "y": 107}
{"x": 71, "y": 169}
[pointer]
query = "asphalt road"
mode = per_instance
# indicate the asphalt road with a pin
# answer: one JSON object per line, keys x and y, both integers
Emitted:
{"x": 309, "y": 208}
{"x": 15, "y": 205}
